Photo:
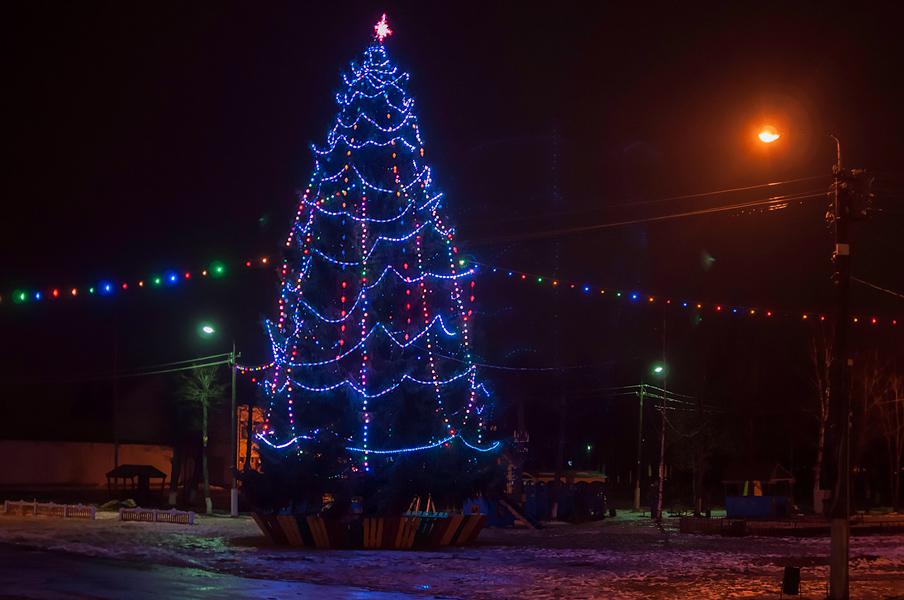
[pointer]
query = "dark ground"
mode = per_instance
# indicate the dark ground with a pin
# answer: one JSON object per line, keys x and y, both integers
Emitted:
{"x": 37, "y": 574}
{"x": 626, "y": 557}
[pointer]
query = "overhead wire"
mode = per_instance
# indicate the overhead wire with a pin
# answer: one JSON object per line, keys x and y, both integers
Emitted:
{"x": 185, "y": 368}
{"x": 112, "y": 376}
{"x": 718, "y": 192}
{"x": 179, "y": 362}
{"x": 679, "y": 215}
{"x": 644, "y": 385}
{"x": 878, "y": 287}
{"x": 668, "y": 199}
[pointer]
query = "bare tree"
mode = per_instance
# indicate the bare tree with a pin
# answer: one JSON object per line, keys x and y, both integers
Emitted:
{"x": 889, "y": 410}
{"x": 821, "y": 361}
{"x": 869, "y": 383}
{"x": 199, "y": 391}
{"x": 696, "y": 437}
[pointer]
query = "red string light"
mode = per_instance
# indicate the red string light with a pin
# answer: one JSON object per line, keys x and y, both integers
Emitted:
{"x": 522, "y": 276}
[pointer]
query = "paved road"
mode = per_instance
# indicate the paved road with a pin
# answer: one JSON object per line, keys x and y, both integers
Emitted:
{"x": 42, "y": 575}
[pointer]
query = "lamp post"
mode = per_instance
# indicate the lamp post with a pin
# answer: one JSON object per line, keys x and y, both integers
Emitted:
{"x": 656, "y": 370}
{"x": 659, "y": 370}
{"x": 838, "y": 384}
{"x": 841, "y": 215}
{"x": 207, "y": 330}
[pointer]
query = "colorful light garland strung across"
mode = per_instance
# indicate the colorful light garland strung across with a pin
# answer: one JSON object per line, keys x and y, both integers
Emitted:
{"x": 645, "y": 299}
{"x": 219, "y": 269}
{"x": 105, "y": 288}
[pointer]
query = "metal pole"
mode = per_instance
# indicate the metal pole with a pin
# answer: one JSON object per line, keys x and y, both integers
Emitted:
{"x": 115, "y": 399}
{"x": 839, "y": 389}
{"x": 665, "y": 387}
{"x": 661, "y": 460}
{"x": 642, "y": 393}
{"x": 233, "y": 492}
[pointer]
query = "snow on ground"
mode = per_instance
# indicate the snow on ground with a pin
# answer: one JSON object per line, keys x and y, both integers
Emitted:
{"x": 623, "y": 557}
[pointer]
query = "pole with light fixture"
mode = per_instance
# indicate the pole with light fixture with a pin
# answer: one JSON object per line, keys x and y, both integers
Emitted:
{"x": 659, "y": 370}
{"x": 656, "y": 370}
{"x": 851, "y": 198}
{"x": 838, "y": 384}
{"x": 207, "y": 330}
{"x": 641, "y": 393}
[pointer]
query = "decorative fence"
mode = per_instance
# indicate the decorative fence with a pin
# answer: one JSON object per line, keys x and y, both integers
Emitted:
{"x": 49, "y": 509}
{"x": 152, "y": 515}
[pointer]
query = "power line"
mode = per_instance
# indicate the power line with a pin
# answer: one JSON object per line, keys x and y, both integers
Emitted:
{"x": 717, "y": 192}
{"x": 666, "y": 199}
{"x": 186, "y": 368}
{"x": 877, "y": 287}
{"x": 680, "y": 215}
{"x": 124, "y": 375}
{"x": 179, "y": 362}
{"x": 637, "y": 386}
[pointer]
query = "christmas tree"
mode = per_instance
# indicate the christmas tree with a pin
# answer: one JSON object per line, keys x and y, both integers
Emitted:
{"x": 372, "y": 377}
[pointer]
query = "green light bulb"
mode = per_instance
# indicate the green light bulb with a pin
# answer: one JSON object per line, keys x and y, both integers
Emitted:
{"x": 217, "y": 268}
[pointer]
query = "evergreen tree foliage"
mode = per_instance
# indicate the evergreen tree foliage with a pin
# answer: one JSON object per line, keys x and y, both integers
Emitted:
{"x": 372, "y": 389}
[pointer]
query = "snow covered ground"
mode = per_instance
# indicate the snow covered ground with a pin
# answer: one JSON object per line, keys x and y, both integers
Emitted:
{"x": 623, "y": 557}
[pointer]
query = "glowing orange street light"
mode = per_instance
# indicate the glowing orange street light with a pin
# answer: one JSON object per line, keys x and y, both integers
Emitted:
{"x": 769, "y": 134}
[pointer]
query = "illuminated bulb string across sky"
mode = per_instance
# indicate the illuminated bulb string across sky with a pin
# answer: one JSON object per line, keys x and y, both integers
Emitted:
{"x": 218, "y": 269}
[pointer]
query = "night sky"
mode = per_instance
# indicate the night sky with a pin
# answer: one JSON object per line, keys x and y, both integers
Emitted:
{"x": 147, "y": 137}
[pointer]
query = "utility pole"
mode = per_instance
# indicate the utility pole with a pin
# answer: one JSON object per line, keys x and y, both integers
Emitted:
{"x": 839, "y": 377}
{"x": 661, "y": 460}
{"x": 665, "y": 388}
{"x": 233, "y": 442}
{"x": 558, "y": 483}
{"x": 852, "y": 201}
{"x": 116, "y": 414}
{"x": 641, "y": 394}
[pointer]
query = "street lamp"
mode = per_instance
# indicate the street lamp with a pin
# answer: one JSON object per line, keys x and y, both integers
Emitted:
{"x": 768, "y": 134}
{"x": 659, "y": 370}
{"x": 841, "y": 215}
{"x": 207, "y": 330}
{"x": 656, "y": 370}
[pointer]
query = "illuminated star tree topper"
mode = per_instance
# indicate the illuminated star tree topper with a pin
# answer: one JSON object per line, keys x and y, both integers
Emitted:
{"x": 382, "y": 29}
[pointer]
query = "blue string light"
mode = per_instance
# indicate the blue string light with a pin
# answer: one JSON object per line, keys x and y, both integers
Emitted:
{"x": 372, "y": 158}
{"x": 362, "y": 294}
{"x": 437, "y": 444}
{"x": 363, "y": 393}
{"x": 380, "y": 327}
